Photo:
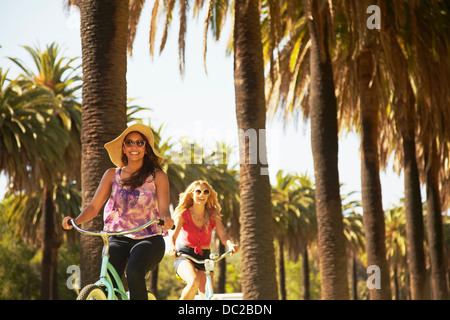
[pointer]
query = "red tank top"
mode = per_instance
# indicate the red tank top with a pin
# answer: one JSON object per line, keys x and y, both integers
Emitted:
{"x": 193, "y": 236}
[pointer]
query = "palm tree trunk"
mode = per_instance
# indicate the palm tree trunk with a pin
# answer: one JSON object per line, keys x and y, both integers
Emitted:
{"x": 281, "y": 270}
{"x": 435, "y": 229}
{"x": 221, "y": 271}
{"x": 413, "y": 201}
{"x": 324, "y": 143}
{"x": 396, "y": 286}
{"x": 104, "y": 28}
{"x": 354, "y": 276}
{"x": 373, "y": 215}
{"x": 414, "y": 219}
{"x": 305, "y": 267}
{"x": 48, "y": 267}
{"x": 256, "y": 236}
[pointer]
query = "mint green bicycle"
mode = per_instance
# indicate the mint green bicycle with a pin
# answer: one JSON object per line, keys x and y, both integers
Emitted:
{"x": 104, "y": 288}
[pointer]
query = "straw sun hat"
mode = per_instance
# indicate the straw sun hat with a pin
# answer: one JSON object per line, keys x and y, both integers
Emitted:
{"x": 114, "y": 147}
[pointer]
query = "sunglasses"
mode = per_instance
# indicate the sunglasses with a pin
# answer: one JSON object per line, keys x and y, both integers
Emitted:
{"x": 199, "y": 192}
{"x": 138, "y": 143}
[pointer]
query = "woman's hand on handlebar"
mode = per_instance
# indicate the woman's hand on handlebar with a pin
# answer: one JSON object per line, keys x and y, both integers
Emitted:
{"x": 168, "y": 223}
{"x": 65, "y": 223}
{"x": 232, "y": 247}
{"x": 172, "y": 252}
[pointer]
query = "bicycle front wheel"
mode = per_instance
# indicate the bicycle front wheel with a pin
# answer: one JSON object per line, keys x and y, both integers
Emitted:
{"x": 92, "y": 292}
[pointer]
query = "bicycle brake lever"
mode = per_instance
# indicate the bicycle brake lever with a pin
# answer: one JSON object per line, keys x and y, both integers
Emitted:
{"x": 161, "y": 223}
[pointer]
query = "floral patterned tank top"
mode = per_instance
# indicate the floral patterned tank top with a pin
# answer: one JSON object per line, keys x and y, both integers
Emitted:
{"x": 127, "y": 209}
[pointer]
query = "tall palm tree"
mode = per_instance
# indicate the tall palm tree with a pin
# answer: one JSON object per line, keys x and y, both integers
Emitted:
{"x": 429, "y": 56}
{"x": 29, "y": 158}
{"x": 257, "y": 255}
{"x": 324, "y": 143}
{"x": 104, "y": 27}
{"x": 216, "y": 16}
{"x": 60, "y": 76}
{"x": 406, "y": 56}
{"x": 354, "y": 235}
{"x": 406, "y": 115}
{"x": 295, "y": 222}
{"x": 32, "y": 164}
{"x": 396, "y": 244}
{"x": 373, "y": 216}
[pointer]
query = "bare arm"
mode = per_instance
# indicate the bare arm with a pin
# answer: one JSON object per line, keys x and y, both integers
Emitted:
{"x": 179, "y": 222}
{"x": 101, "y": 195}
{"x": 162, "y": 194}
{"x": 223, "y": 236}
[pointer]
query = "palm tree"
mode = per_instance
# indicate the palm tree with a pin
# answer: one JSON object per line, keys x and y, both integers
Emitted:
{"x": 396, "y": 244}
{"x": 409, "y": 58}
{"x": 435, "y": 226}
{"x": 295, "y": 222}
{"x": 216, "y": 14}
{"x": 405, "y": 57}
{"x": 324, "y": 143}
{"x": 36, "y": 141}
{"x": 284, "y": 215}
{"x": 104, "y": 27}
{"x": 58, "y": 75}
{"x": 373, "y": 216}
{"x": 429, "y": 55}
{"x": 407, "y": 115}
{"x": 257, "y": 255}
{"x": 291, "y": 85}
{"x": 27, "y": 157}
{"x": 354, "y": 235}
{"x": 413, "y": 40}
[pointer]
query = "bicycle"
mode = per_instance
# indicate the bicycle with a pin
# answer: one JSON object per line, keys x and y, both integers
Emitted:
{"x": 104, "y": 288}
{"x": 209, "y": 268}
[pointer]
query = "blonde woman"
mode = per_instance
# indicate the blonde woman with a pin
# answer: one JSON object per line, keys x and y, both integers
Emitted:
{"x": 196, "y": 216}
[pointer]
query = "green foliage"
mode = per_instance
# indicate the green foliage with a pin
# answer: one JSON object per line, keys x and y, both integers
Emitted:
{"x": 19, "y": 268}
{"x": 169, "y": 287}
{"x": 294, "y": 279}
{"x": 233, "y": 280}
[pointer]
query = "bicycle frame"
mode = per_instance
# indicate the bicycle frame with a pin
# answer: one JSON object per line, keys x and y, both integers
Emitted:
{"x": 209, "y": 268}
{"x": 107, "y": 268}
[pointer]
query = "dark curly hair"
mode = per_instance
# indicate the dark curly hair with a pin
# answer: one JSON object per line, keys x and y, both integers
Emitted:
{"x": 148, "y": 168}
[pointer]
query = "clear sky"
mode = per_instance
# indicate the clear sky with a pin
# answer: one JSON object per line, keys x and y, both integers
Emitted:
{"x": 198, "y": 106}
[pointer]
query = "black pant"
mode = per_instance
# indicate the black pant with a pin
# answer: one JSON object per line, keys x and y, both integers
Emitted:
{"x": 142, "y": 255}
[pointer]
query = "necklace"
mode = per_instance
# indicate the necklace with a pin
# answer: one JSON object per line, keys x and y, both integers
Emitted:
{"x": 197, "y": 219}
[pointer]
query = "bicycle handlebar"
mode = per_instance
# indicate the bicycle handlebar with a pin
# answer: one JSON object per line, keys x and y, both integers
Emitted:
{"x": 213, "y": 256}
{"x": 116, "y": 233}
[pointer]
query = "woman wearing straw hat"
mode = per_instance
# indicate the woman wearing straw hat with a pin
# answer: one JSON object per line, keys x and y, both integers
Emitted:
{"x": 138, "y": 191}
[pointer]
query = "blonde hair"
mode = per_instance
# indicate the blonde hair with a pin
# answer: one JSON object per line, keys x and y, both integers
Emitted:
{"x": 212, "y": 206}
